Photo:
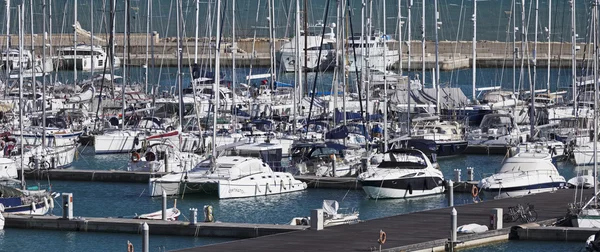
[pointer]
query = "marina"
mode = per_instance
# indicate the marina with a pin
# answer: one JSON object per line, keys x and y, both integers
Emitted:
{"x": 310, "y": 125}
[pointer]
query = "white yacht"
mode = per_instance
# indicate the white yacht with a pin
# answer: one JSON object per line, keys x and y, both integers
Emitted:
{"x": 377, "y": 46}
{"x": 331, "y": 216}
{"x": 32, "y": 67}
{"x": 84, "y": 56}
{"x": 402, "y": 173}
{"x": 521, "y": 176}
{"x": 118, "y": 141}
{"x": 228, "y": 177}
{"x": 287, "y": 56}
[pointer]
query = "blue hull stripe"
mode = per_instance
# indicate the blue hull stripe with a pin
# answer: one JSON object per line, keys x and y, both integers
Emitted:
{"x": 527, "y": 187}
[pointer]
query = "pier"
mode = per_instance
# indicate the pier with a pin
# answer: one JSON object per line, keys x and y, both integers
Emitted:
{"x": 157, "y": 227}
{"x": 452, "y": 54}
{"x": 425, "y": 230}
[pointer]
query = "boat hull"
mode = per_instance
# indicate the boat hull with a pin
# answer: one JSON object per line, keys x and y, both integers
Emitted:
{"x": 402, "y": 187}
{"x": 518, "y": 191}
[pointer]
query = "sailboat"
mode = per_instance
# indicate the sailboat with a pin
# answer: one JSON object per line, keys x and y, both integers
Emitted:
{"x": 24, "y": 200}
{"x": 589, "y": 214}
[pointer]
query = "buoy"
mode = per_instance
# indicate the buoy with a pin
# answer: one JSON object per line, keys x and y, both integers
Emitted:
{"x": 382, "y": 237}
{"x": 474, "y": 191}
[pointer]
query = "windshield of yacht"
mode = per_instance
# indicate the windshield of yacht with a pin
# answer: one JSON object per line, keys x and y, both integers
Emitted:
{"x": 403, "y": 161}
{"x": 496, "y": 121}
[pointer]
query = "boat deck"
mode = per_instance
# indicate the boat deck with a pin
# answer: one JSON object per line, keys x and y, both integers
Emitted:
{"x": 413, "y": 231}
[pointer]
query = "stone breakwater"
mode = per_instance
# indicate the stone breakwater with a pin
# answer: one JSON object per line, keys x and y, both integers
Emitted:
{"x": 452, "y": 54}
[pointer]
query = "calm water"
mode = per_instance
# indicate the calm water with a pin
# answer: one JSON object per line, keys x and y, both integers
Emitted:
{"x": 127, "y": 199}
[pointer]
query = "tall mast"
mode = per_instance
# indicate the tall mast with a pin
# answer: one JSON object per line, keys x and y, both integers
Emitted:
{"x": 124, "y": 66}
{"x": 33, "y": 61}
{"x": 93, "y": 62}
{"x": 196, "y": 36}
{"x": 217, "y": 80}
{"x": 6, "y": 63}
{"x": 233, "y": 55}
{"x": 573, "y": 54}
{"x": 514, "y": 30}
{"x": 343, "y": 59}
{"x": 304, "y": 49}
{"x": 297, "y": 67}
{"x": 423, "y": 43}
{"x": 44, "y": 73}
{"x": 549, "y": 42}
{"x": 179, "y": 56}
{"x": 437, "y": 62}
{"x": 75, "y": 46}
{"x": 21, "y": 11}
{"x": 148, "y": 17}
{"x": 408, "y": 46}
{"x": 595, "y": 24}
{"x": 338, "y": 65}
{"x": 532, "y": 84}
{"x": 474, "y": 18}
{"x": 385, "y": 88}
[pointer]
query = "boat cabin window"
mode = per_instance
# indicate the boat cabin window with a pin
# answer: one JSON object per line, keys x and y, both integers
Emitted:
{"x": 409, "y": 175}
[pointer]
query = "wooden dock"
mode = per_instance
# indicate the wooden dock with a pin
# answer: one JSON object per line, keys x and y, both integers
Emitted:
{"x": 413, "y": 231}
{"x": 157, "y": 227}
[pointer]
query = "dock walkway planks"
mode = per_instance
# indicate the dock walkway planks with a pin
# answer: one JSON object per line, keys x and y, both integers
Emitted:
{"x": 418, "y": 230}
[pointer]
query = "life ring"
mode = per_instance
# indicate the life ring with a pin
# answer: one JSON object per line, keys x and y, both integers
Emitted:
{"x": 382, "y": 237}
{"x": 135, "y": 157}
{"x": 129, "y": 246}
{"x": 474, "y": 191}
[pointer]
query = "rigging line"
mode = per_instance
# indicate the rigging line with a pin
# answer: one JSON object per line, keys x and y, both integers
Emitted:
{"x": 358, "y": 83}
{"x": 162, "y": 60}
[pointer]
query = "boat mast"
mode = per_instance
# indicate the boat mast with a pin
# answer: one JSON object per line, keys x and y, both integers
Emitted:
{"x": 6, "y": 63}
{"x": 75, "y": 46}
{"x": 179, "y": 56}
{"x": 20, "y": 9}
{"x": 233, "y": 55}
{"x": 113, "y": 5}
{"x": 438, "y": 25}
{"x": 474, "y": 52}
{"x": 196, "y": 36}
{"x": 514, "y": 30}
{"x": 44, "y": 75}
{"x": 385, "y": 87}
{"x": 423, "y": 42}
{"x": 408, "y": 46}
{"x": 33, "y": 60}
{"x": 595, "y": 23}
{"x": 217, "y": 81}
{"x": 342, "y": 58}
{"x": 124, "y": 67}
{"x": 92, "y": 55}
{"x": 549, "y": 42}
{"x": 148, "y": 17}
{"x": 532, "y": 83}
{"x": 573, "y": 55}
{"x": 297, "y": 68}
{"x": 304, "y": 48}
{"x": 338, "y": 66}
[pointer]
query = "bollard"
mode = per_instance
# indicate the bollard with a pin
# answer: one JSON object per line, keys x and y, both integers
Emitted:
{"x": 453, "y": 232}
{"x": 451, "y": 193}
{"x": 469, "y": 173}
{"x": 164, "y": 205}
{"x": 316, "y": 219}
{"x": 193, "y": 216}
{"x": 67, "y": 206}
{"x": 146, "y": 237}
{"x": 496, "y": 219}
{"x": 457, "y": 173}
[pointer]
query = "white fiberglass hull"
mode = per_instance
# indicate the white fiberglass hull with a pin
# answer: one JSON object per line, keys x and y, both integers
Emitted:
{"x": 53, "y": 157}
{"x": 227, "y": 188}
{"x": 392, "y": 193}
{"x": 584, "y": 156}
{"x": 116, "y": 142}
